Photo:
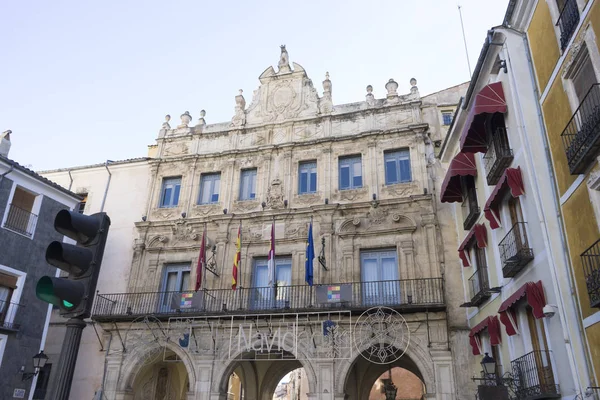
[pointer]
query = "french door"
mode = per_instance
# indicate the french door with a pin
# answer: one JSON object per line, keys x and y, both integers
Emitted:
{"x": 267, "y": 296}
{"x": 176, "y": 279}
{"x": 380, "y": 285}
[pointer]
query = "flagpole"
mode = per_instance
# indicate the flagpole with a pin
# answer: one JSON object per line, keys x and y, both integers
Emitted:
{"x": 239, "y": 272}
{"x": 204, "y": 261}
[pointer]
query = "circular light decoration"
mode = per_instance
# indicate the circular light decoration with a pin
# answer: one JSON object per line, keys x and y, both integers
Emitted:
{"x": 381, "y": 335}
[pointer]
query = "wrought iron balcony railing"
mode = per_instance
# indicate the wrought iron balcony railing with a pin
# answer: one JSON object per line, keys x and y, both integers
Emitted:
{"x": 8, "y": 313}
{"x": 533, "y": 376}
{"x": 498, "y": 157}
{"x": 515, "y": 252}
{"x": 470, "y": 209}
{"x": 479, "y": 287}
{"x": 20, "y": 221}
{"x": 581, "y": 137}
{"x": 408, "y": 294}
{"x": 567, "y": 21}
{"x": 591, "y": 271}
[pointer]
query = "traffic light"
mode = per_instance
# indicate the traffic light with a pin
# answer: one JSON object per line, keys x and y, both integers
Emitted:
{"x": 74, "y": 294}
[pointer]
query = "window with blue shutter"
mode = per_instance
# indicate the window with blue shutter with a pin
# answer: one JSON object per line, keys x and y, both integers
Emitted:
{"x": 248, "y": 184}
{"x": 308, "y": 177}
{"x": 209, "y": 188}
{"x": 447, "y": 117}
{"x": 397, "y": 166}
{"x": 170, "y": 192}
{"x": 350, "y": 172}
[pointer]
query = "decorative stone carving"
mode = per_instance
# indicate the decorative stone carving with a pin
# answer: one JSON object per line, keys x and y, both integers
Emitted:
{"x": 181, "y": 231}
{"x": 186, "y": 118}
{"x": 176, "y": 149}
{"x": 326, "y": 103}
{"x": 353, "y": 194}
{"x": 376, "y": 215}
{"x": 201, "y": 122}
{"x": 307, "y": 199}
{"x": 296, "y": 230}
{"x": 392, "y": 88}
{"x": 284, "y": 61}
{"x": 239, "y": 118}
{"x": 369, "y": 98}
{"x": 245, "y": 206}
{"x": 400, "y": 189}
{"x": 165, "y": 125}
{"x": 275, "y": 194}
{"x": 156, "y": 241}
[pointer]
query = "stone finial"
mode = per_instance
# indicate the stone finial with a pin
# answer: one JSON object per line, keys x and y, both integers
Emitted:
{"x": 186, "y": 118}
{"x": 414, "y": 90}
{"x": 5, "y": 143}
{"x": 327, "y": 84}
{"x": 413, "y": 82}
{"x": 201, "y": 122}
{"x": 370, "y": 99}
{"x": 284, "y": 60}
{"x": 165, "y": 124}
{"x": 239, "y": 117}
{"x": 392, "y": 88}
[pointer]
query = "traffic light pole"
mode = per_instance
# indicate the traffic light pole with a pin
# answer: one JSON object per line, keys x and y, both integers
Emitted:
{"x": 68, "y": 358}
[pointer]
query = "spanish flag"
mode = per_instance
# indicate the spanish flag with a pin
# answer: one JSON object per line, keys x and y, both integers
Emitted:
{"x": 237, "y": 259}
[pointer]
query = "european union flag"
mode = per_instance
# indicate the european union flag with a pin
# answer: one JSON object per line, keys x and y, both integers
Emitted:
{"x": 310, "y": 256}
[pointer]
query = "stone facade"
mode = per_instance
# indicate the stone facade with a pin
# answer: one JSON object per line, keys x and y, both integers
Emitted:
{"x": 285, "y": 125}
{"x": 24, "y": 236}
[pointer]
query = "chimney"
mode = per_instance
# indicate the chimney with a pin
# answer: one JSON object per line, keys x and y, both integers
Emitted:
{"x": 5, "y": 143}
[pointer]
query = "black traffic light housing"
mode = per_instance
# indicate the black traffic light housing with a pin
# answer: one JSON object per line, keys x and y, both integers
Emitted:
{"x": 74, "y": 294}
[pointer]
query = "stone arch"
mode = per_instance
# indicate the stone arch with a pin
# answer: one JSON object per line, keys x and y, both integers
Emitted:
{"x": 225, "y": 365}
{"x": 419, "y": 362}
{"x": 134, "y": 362}
{"x": 275, "y": 373}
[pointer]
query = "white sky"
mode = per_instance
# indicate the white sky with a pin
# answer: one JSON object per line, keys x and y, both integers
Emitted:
{"x": 82, "y": 82}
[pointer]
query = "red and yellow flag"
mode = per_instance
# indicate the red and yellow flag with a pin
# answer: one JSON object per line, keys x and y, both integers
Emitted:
{"x": 237, "y": 259}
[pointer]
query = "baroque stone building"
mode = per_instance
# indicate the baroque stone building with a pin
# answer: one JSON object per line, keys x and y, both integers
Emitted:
{"x": 363, "y": 173}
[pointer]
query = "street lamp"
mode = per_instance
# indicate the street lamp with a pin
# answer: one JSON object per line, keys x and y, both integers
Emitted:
{"x": 489, "y": 365}
{"x": 389, "y": 388}
{"x": 39, "y": 360}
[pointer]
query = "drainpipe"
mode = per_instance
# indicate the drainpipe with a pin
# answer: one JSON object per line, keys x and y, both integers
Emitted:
{"x": 565, "y": 250}
{"x": 107, "y": 185}
{"x": 71, "y": 179}
{"x": 12, "y": 167}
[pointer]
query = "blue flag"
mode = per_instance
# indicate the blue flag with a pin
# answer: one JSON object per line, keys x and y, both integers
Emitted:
{"x": 310, "y": 256}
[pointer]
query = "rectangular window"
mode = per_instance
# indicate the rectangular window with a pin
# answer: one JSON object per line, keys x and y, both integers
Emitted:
{"x": 20, "y": 217}
{"x": 8, "y": 284}
{"x": 350, "y": 172}
{"x": 170, "y": 192}
{"x": 447, "y": 117}
{"x": 176, "y": 279}
{"x": 248, "y": 184}
{"x": 308, "y": 177}
{"x": 397, "y": 166}
{"x": 267, "y": 296}
{"x": 584, "y": 76}
{"x": 80, "y": 208}
{"x": 209, "y": 188}
{"x": 379, "y": 273}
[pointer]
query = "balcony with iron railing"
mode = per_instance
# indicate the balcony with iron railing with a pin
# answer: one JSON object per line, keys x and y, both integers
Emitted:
{"x": 20, "y": 221}
{"x": 567, "y": 21}
{"x": 515, "y": 252}
{"x": 470, "y": 208}
{"x": 409, "y": 295}
{"x": 479, "y": 287}
{"x": 498, "y": 157}
{"x": 581, "y": 137}
{"x": 590, "y": 259}
{"x": 8, "y": 314}
{"x": 533, "y": 376}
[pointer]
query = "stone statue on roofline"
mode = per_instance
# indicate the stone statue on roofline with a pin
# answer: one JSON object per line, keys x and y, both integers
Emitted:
{"x": 284, "y": 60}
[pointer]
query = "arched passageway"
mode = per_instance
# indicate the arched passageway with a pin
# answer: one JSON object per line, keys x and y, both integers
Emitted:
{"x": 408, "y": 385}
{"x": 164, "y": 376}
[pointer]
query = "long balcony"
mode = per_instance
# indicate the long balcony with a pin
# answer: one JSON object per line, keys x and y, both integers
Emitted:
{"x": 498, "y": 157}
{"x": 8, "y": 313}
{"x": 534, "y": 378}
{"x": 409, "y": 295}
{"x": 515, "y": 252}
{"x": 591, "y": 271}
{"x": 20, "y": 221}
{"x": 567, "y": 21}
{"x": 470, "y": 208}
{"x": 479, "y": 287}
{"x": 581, "y": 137}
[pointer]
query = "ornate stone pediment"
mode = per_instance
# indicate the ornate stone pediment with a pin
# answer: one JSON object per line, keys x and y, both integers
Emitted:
{"x": 156, "y": 241}
{"x": 377, "y": 220}
{"x": 182, "y": 231}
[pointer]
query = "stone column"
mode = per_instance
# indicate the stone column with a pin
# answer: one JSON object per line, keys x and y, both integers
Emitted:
{"x": 202, "y": 386}
{"x": 325, "y": 380}
{"x": 444, "y": 374}
{"x": 113, "y": 370}
{"x": 429, "y": 226}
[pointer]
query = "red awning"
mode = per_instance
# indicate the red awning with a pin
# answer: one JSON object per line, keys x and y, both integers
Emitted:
{"x": 489, "y": 100}
{"x": 493, "y": 326}
{"x": 513, "y": 179}
{"x": 534, "y": 291}
{"x": 480, "y": 234}
{"x": 462, "y": 164}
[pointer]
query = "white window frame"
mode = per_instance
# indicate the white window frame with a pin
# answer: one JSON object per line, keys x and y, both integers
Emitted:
{"x": 15, "y": 298}
{"x": 307, "y": 167}
{"x": 3, "y": 340}
{"x": 589, "y": 41}
{"x": 386, "y": 155}
{"x": 451, "y": 113}
{"x": 164, "y": 183}
{"x": 35, "y": 209}
{"x": 349, "y": 161}
{"x": 213, "y": 176}
{"x": 252, "y": 173}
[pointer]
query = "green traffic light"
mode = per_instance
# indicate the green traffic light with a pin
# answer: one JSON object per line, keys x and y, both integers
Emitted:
{"x": 61, "y": 292}
{"x": 67, "y": 304}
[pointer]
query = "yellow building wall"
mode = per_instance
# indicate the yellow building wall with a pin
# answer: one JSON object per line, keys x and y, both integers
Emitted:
{"x": 593, "y": 336}
{"x": 543, "y": 43}
{"x": 557, "y": 113}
